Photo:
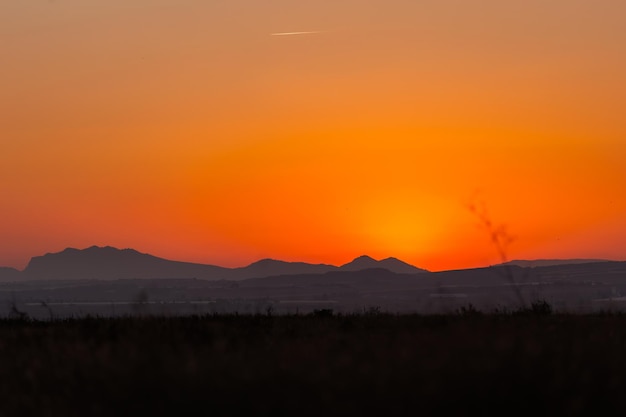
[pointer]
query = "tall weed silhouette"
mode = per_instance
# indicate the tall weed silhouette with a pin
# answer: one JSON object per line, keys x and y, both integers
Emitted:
{"x": 500, "y": 239}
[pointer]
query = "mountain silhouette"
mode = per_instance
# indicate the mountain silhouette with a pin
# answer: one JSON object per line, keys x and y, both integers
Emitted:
{"x": 271, "y": 267}
{"x": 109, "y": 263}
{"x": 551, "y": 262}
{"x": 390, "y": 264}
{"x": 107, "y": 280}
{"x": 9, "y": 274}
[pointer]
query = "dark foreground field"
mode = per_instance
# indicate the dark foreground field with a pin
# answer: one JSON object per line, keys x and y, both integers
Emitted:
{"x": 315, "y": 365}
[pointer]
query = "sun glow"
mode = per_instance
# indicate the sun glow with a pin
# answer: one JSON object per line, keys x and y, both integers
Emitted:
{"x": 188, "y": 132}
{"x": 401, "y": 224}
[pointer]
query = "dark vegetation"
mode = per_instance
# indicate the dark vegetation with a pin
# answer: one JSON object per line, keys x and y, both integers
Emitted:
{"x": 528, "y": 362}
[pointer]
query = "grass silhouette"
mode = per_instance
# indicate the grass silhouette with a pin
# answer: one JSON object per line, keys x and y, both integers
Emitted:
{"x": 317, "y": 364}
{"x": 500, "y": 239}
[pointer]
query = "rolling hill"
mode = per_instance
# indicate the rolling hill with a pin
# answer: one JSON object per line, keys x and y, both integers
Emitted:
{"x": 109, "y": 263}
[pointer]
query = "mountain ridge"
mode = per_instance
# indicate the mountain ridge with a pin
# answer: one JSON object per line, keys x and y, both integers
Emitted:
{"x": 110, "y": 263}
{"x": 392, "y": 264}
{"x": 532, "y": 263}
{"x": 107, "y": 263}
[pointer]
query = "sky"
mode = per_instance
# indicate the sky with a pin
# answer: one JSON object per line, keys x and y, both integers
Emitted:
{"x": 189, "y": 130}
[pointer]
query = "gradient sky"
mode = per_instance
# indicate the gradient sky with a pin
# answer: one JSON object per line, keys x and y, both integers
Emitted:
{"x": 184, "y": 129}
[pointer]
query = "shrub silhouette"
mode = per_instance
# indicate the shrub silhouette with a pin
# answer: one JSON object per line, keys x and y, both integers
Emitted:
{"x": 541, "y": 308}
{"x": 324, "y": 312}
{"x": 469, "y": 310}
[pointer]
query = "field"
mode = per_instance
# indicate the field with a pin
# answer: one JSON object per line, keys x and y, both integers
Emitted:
{"x": 524, "y": 363}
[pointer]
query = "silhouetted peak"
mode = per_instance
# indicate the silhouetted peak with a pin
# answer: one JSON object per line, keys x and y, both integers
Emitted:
{"x": 106, "y": 249}
{"x": 391, "y": 258}
{"x": 359, "y": 263}
{"x": 90, "y": 254}
{"x": 399, "y": 266}
{"x": 108, "y": 262}
{"x": 93, "y": 249}
{"x": 391, "y": 264}
{"x": 66, "y": 250}
{"x": 362, "y": 260}
{"x": 266, "y": 262}
{"x": 269, "y": 267}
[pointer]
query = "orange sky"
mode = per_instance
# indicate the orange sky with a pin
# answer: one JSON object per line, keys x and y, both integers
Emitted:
{"x": 182, "y": 128}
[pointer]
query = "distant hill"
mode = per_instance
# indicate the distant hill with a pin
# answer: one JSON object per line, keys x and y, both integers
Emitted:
{"x": 390, "y": 264}
{"x": 9, "y": 274}
{"x": 365, "y": 278}
{"x": 109, "y": 281}
{"x": 108, "y": 263}
{"x": 551, "y": 262}
{"x": 111, "y": 263}
{"x": 271, "y": 267}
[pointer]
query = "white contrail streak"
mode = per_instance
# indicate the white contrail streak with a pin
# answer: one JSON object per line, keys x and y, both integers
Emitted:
{"x": 292, "y": 33}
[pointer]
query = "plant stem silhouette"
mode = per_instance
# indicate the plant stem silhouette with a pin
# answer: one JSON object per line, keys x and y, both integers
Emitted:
{"x": 501, "y": 240}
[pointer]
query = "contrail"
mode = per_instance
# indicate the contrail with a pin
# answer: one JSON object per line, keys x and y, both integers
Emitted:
{"x": 293, "y": 33}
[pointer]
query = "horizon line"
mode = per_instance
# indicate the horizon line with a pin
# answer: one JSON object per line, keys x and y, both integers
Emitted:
{"x": 585, "y": 260}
